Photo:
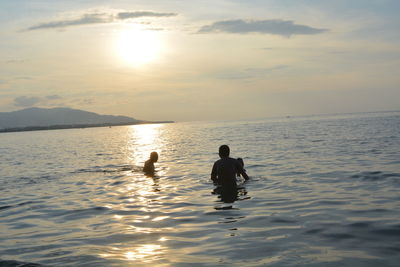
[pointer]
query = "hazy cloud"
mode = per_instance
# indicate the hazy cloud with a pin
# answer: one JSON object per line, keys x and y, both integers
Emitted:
{"x": 87, "y": 101}
{"x": 151, "y": 93}
{"x": 139, "y": 14}
{"x": 249, "y": 73}
{"x": 274, "y": 26}
{"x": 266, "y": 70}
{"x": 15, "y": 61}
{"x": 84, "y": 20}
{"x": 96, "y": 18}
{"x": 24, "y": 101}
{"x": 155, "y": 29}
{"x": 53, "y": 97}
{"x": 27, "y": 78}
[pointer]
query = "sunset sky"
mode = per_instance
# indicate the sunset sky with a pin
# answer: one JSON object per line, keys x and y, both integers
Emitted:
{"x": 201, "y": 60}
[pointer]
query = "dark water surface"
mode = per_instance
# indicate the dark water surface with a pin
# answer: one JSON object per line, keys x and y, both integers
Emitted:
{"x": 324, "y": 192}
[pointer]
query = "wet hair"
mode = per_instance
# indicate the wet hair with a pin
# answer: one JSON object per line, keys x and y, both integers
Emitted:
{"x": 224, "y": 151}
{"x": 154, "y": 156}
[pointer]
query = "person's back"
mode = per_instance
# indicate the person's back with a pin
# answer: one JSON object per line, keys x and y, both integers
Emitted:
{"x": 224, "y": 170}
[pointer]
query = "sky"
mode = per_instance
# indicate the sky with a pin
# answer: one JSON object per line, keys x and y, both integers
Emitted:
{"x": 201, "y": 59}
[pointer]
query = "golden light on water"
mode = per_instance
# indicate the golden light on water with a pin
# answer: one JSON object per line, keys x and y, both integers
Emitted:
{"x": 160, "y": 218}
{"x": 146, "y": 133}
{"x": 147, "y": 138}
{"x": 143, "y": 192}
{"x": 136, "y": 46}
{"x": 144, "y": 253}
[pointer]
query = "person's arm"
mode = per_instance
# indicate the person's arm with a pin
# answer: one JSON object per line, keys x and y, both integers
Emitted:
{"x": 214, "y": 173}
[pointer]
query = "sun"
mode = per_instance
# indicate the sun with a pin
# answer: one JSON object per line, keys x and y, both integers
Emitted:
{"x": 136, "y": 46}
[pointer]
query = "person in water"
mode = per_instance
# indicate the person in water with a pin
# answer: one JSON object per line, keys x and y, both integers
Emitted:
{"x": 148, "y": 168}
{"x": 225, "y": 169}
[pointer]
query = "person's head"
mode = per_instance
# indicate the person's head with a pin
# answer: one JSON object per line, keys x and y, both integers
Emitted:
{"x": 224, "y": 151}
{"x": 241, "y": 161}
{"x": 153, "y": 156}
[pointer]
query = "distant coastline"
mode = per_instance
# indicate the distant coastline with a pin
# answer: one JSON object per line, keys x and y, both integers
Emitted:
{"x": 75, "y": 126}
{"x": 42, "y": 119}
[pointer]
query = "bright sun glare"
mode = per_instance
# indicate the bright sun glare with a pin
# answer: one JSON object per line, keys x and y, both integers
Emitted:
{"x": 137, "y": 47}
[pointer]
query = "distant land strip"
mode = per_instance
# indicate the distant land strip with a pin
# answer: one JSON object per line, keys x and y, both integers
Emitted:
{"x": 75, "y": 126}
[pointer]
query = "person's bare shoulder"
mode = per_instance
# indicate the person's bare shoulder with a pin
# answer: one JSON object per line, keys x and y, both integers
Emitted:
{"x": 148, "y": 166}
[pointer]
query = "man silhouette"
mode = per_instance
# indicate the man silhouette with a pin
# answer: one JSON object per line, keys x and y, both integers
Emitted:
{"x": 225, "y": 169}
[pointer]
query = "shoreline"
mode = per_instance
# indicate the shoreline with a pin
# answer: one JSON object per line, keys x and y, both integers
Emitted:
{"x": 75, "y": 126}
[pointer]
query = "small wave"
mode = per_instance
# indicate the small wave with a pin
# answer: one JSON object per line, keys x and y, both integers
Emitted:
{"x": 18, "y": 205}
{"x": 34, "y": 179}
{"x": 314, "y": 231}
{"x": 293, "y": 173}
{"x": 26, "y": 180}
{"x": 108, "y": 169}
{"x": 317, "y": 141}
{"x": 281, "y": 220}
{"x": 6, "y": 263}
{"x": 339, "y": 236}
{"x": 393, "y": 232}
{"x": 104, "y": 154}
{"x": 258, "y": 165}
{"x": 360, "y": 225}
{"x": 331, "y": 202}
{"x": 375, "y": 175}
{"x": 369, "y": 211}
{"x": 331, "y": 174}
{"x": 117, "y": 183}
{"x": 71, "y": 215}
{"x": 392, "y": 162}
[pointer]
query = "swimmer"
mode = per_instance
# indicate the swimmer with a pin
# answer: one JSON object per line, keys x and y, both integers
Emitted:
{"x": 148, "y": 168}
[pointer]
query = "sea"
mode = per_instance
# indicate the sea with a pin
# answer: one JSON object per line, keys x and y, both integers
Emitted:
{"x": 323, "y": 191}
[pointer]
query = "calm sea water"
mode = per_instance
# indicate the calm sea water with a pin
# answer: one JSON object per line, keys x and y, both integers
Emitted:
{"x": 324, "y": 191}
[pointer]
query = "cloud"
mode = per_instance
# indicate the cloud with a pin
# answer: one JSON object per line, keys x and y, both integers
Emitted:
{"x": 26, "y": 78}
{"x": 97, "y": 18}
{"x": 53, "y": 97}
{"x": 15, "y": 61}
{"x": 84, "y": 20}
{"x": 139, "y": 14}
{"x": 250, "y": 73}
{"x": 273, "y": 26}
{"x": 155, "y": 29}
{"x": 24, "y": 101}
{"x": 86, "y": 101}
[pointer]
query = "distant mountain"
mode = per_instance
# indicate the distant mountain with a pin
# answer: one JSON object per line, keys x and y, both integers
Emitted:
{"x": 41, "y": 117}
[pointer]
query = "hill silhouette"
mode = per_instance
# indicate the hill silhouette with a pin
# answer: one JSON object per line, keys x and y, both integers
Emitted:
{"x": 58, "y": 118}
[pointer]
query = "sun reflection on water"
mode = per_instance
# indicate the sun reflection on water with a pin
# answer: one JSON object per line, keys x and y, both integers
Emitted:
{"x": 145, "y": 253}
{"x": 142, "y": 198}
{"x": 143, "y": 140}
